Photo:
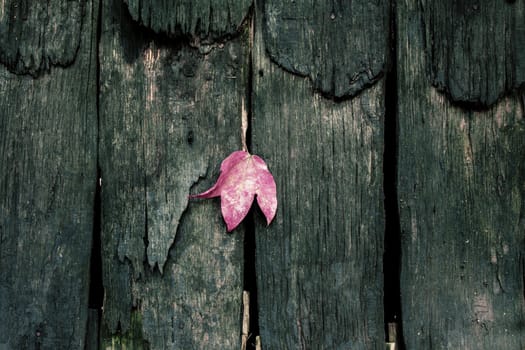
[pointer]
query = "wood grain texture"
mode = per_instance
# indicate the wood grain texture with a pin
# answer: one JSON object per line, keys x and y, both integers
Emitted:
{"x": 203, "y": 20}
{"x": 461, "y": 194}
{"x": 476, "y": 49}
{"x": 48, "y": 133}
{"x": 340, "y": 45}
{"x": 36, "y": 35}
{"x": 319, "y": 264}
{"x": 169, "y": 115}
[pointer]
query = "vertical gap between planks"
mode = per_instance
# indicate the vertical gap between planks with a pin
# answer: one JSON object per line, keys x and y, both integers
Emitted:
{"x": 96, "y": 287}
{"x": 250, "y": 327}
{"x": 392, "y": 243}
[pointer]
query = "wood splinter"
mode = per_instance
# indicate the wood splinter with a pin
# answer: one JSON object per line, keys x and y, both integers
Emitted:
{"x": 391, "y": 344}
{"x": 245, "y": 319}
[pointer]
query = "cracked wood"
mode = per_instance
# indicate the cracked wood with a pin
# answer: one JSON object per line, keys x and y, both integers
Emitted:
{"x": 341, "y": 46}
{"x": 36, "y": 35}
{"x": 167, "y": 116}
{"x": 48, "y": 133}
{"x": 319, "y": 265}
{"x": 202, "y": 20}
{"x": 475, "y": 49}
{"x": 461, "y": 178}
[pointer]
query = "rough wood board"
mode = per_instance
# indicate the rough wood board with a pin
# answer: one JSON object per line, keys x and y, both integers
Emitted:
{"x": 169, "y": 115}
{"x": 48, "y": 146}
{"x": 202, "y": 20}
{"x": 476, "y": 49}
{"x": 461, "y": 195}
{"x": 341, "y": 46}
{"x": 319, "y": 264}
{"x": 35, "y": 35}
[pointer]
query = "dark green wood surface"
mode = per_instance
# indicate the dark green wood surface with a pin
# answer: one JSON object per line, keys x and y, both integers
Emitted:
{"x": 461, "y": 192}
{"x": 169, "y": 115}
{"x": 201, "y": 20}
{"x": 47, "y": 182}
{"x": 339, "y": 45}
{"x": 36, "y": 35}
{"x": 319, "y": 264}
{"x": 162, "y": 107}
{"x": 475, "y": 49}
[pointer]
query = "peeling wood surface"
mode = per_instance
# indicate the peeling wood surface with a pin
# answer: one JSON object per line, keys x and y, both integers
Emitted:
{"x": 48, "y": 154}
{"x": 319, "y": 264}
{"x": 36, "y": 35}
{"x": 461, "y": 194}
{"x": 341, "y": 46}
{"x": 202, "y": 20}
{"x": 169, "y": 115}
{"x": 476, "y": 49}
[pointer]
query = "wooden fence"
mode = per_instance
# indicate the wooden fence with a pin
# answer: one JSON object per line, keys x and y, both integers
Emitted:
{"x": 394, "y": 129}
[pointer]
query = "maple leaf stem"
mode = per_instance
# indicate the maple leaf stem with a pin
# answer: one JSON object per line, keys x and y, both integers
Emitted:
{"x": 244, "y": 125}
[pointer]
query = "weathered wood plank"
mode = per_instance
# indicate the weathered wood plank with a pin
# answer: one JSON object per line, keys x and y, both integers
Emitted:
{"x": 319, "y": 264}
{"x": 202, "y": 20}
{"x": 169, "y": 114}
{"x": 461, "y": 194}
{"x": 340, "y": 45}
{"x": 35, "y": 35}
{"x": 48, "y": 133}
{"x": 476, "y": 49}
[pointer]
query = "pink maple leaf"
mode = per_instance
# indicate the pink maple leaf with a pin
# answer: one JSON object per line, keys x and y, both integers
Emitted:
{"x": 243, "y": 176}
